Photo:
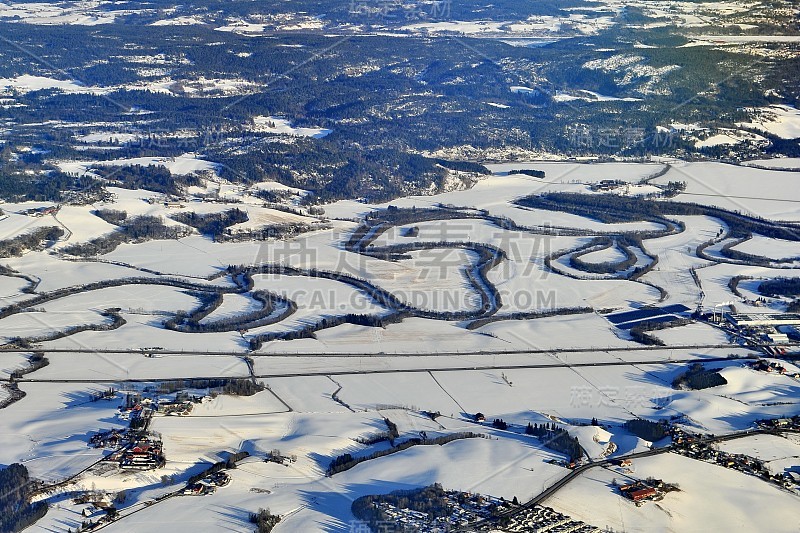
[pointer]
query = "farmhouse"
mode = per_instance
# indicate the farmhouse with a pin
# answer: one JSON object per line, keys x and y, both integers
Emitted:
{"x": 638, "y": 491}
{"x": 641, "y": 494}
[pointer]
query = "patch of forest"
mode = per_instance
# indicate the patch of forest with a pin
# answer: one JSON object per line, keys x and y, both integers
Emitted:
{"x": 698, "y": 378}
{"x": 641, "y": 332}
{"x": 37, "y": 239}
{"x": 557, "y": 439}
{"x": 789, "y": 287}
{"x": 129, "y": 230}
{"x": 16, "y": 489}
{"x": 646, "y": 430}
{"x": 212, "y": 224}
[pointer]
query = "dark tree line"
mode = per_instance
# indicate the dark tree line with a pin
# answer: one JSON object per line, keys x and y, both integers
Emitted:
{"x": 528, "y": 172}
{"x": 69, "y": 291}
{"x": 36, "y": 361}
{"x": 640, "y": 332}
{"x": 465, "y": 166}
{"x": 190, "y": 323}
{"x": 475, "y": 324}
{"x": 117, "y": 321}
{"x": 499, "y": 423}
{"x": 263, "y": 233}
{"x": 112, "y": 216}
{"x": 309, "y": 331}
{"x": 231, "y": 386}
{"x": 393, "y": 432}
{"x": 728, "y": 250}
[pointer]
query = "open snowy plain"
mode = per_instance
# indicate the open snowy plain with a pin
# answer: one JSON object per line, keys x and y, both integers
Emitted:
{"x": 414, "y": 315}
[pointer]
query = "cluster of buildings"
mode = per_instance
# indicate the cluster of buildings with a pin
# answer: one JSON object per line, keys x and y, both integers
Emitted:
{"x": 763, "y": 365}
{"x": 180, "y": 408}
{"x": 42, "y": 211}
{"x": 695, "y": 448}
{"x": 133, "y": 450}
{"x": 639, "y": 492}
{"x": 778, "y": 424}
{"x": 275, "y": 456}
{"x": 136, "y": 405}
{"x": 143, "y": 453}
{"x": 607, "y": 185}
{"x": 464, "y": 508}
{"x": 207, "y": 485}
{"x": 109, "y": 439}
{"x": 540, "y": 518}
{"x": 771, "y": 328}
{"x": 481, "y": 513}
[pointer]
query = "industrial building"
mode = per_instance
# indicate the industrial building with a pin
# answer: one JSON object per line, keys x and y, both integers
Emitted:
{"x": 741, "y": 320}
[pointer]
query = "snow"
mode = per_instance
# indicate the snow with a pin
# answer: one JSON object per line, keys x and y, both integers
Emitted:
{"x": 589, "y": 96}
{"x": 29, "y": 83}
{"x": 738, "y": 501}
{"x": 777, "y": 163}
{"x": 277, "y": 22}
{"x": 548, "y": 369}
{"x": 47, "y": 430}
{"x": 524, "y": 90}
{"x": 780, "y": 120}
{"x": 749, "y": 396}
{"x": 284, "y": 126}
{"x": 123, "y": 366}
{"x": 188, "y": 163}
{"x": 749, "y": 39}
{"x": 738, "y": 188}
{"x": 85, "y": 13}
{"x": 189, "y": 20}
{"x": 534, "y": 26}
{"x": 107, "y": 137}
{"x": 780, "y": 452}
{"x": 768, "y": 247}
{"x": 729, "y": 138}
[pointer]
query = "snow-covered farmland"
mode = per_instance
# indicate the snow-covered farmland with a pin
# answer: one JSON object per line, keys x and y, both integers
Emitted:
{"x": 329, "y": 390}
{"x": 740, "y": 502}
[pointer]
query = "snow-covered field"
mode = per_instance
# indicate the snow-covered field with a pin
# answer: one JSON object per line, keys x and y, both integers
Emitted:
{"x": 738, "y": 188}
{"x": 329, "y": 389}
{"x": 780, "y": 120}
{"x": 183, "y": 164}
{"x": 284, "y": 126}
{"x": 781, "y": 453}
{"x": 739, "y": 502}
